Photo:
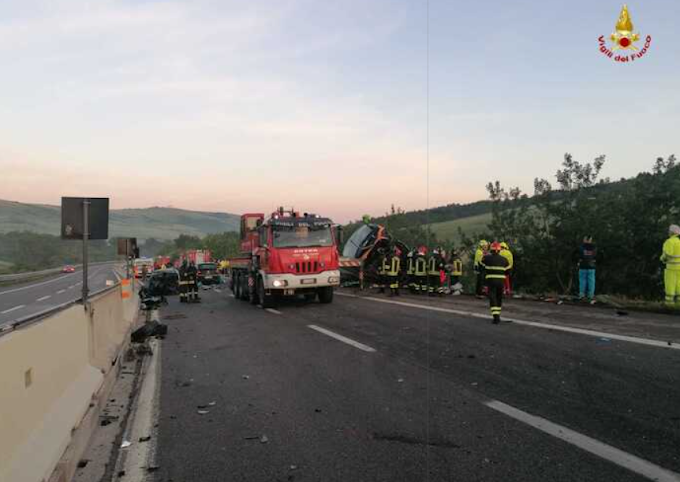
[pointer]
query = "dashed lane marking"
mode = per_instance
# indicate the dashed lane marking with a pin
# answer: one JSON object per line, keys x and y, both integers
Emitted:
{"x": 535, "y": 324}
{"x": 343, "y": 339}
{"x": 61, "y": 291}
{"x": 12, "y": 309}
{"x": 44, "y": 298}
{"x": 34, "y": 285}
{"x": 601, "y": 449}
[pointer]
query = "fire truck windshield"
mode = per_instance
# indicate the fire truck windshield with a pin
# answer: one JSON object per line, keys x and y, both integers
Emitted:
{"x": 295, "y": 236}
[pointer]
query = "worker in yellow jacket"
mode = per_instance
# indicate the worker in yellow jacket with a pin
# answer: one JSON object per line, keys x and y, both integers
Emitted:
{"x": 671, "y": 258}
{"x": 507, "y": 254}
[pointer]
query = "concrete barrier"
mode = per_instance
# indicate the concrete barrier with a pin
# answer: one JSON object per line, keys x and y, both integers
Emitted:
{"x": 53, "y": 373}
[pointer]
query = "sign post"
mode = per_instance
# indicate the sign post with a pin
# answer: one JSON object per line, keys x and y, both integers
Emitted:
{"x": 85, "y": 219}
{"x": 86, "y": 233}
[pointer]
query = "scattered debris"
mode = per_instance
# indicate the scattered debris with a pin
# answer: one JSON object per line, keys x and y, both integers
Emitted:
{"x": 202, "y": 412}
{"x": 212, "y": 404}
{"x": 293, "y": 467}
{"x": 152, "y": 468}
{"x": 317, "y": 410}
{"x": 401, "y": 380}
{"x": 246, "y": 377}
{"x": 152, "y": 328}
{"x": 621, "y": 313}
{"x": 83, "y": 463}
{"x": 254, "y": 437}
{"x": 471, "y": 357}
{"x": 560, "y": 302}
{"x": 264, "y": 439}
{"x": 125, "y": 444}
{"x": 121, "y": 473}
{"x": 603, "y": 341}
{"x": 145, "y": 439}
{"x": 474, "y": 384}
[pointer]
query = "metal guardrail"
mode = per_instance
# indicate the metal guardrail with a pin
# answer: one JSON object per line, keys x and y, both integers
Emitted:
{"x": 34, "y": 274}
{"x": 33, "y": 317}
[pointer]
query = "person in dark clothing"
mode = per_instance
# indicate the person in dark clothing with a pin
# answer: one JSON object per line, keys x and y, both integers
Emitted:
{"x": 192, "y": 277}
{"x": 586, "y": 273}
{"x": 183, "y": 287}
{"x": 495, "y": 266}
{"x": 393, "y": 271}
{"x": 421, "y": 271}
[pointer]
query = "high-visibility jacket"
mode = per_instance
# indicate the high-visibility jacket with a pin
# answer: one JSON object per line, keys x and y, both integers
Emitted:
{"x": 434, "y": 265}
{"x": 479, "y": 255}
{"x": 507, "y": 254}
{"x": 457, "y": 269}
{"x": 671, "y": 253}
{"x": 385, "y": 266}
{"x": 394, "y": 267}
{"x": 410, "y": 266}
{"x": 495, "y": 266}
{"x": 421, "y": 266}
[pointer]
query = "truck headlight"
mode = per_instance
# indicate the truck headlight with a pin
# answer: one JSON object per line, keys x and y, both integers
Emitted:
{"x": 333, "y": 279}
{"x": 280, "y": 283}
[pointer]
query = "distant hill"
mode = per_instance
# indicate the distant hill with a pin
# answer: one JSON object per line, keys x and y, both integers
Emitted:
{"x": 155, "y": 222}
{"x": 448, "y": 230}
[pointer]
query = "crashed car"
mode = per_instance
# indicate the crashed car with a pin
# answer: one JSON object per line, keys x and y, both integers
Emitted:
{"x": 363, "y": 251}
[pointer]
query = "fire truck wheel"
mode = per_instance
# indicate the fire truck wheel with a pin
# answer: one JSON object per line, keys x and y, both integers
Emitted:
{"x": 266, "y": 300}
{"x": 326, "y": 294}
{"x": 253, "y": 295}
{"x": 244, "y": 287}
{"x": 236, "y": 285}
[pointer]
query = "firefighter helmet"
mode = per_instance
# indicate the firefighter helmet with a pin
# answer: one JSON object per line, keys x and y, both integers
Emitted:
{"x": 495, "y": 246}
{"x": 504, "y": 245}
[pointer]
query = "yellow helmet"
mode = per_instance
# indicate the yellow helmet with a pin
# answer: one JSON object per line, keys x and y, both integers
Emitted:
{"x": 504, "y": 245}
{"x": 483, "y": 242}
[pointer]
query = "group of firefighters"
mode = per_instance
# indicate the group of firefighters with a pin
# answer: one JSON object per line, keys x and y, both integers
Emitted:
{"x": 437, "y": 273}
{"x": 493, "y": 264}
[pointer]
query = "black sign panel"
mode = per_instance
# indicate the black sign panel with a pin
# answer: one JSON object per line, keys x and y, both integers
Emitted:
{"x": 72, "y": 217}
{"x": 127, "y": 246}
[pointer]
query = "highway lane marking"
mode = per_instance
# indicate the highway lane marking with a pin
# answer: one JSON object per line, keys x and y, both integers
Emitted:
{"x": 61, "y": 291}
{"x": 44, "y": 298}
{"x": 272, "y": 310}
{"x": 536, "y": 324}
{"x": 12, "y": 309}
{"x": 601, "y": 449}
{"x": 343, "y": 339}
{"x": 34, "y": 285}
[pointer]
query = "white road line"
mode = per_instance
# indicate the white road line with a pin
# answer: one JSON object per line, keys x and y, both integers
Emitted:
{"x": 34, "y": 285}
{"x": 607, "y": 452}
{"x": 343, "y": 339}
{"x": 535, "y": 324}
{"x": 71, "y": 287}
{"x": 272, "y": 310}
{"x": 61, "y": 291}
{"x": 44, "y": 298}
{"x": 12, "y": 309}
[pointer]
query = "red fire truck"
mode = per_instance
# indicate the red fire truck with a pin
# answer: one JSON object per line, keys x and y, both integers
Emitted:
{"x": 285, "y": 255}
{"x": 196, "y": 256}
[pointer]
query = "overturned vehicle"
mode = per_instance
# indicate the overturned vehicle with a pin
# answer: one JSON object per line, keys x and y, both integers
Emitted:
{"x": 363, "y": 252}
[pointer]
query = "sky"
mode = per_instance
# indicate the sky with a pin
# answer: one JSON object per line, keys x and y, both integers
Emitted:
{"x": 233, "y": 106}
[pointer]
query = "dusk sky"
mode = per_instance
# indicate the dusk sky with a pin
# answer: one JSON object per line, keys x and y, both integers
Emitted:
{"x": 241, "y": 106}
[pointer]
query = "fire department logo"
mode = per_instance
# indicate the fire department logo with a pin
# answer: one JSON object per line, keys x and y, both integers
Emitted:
{"x": 624, "y": 40}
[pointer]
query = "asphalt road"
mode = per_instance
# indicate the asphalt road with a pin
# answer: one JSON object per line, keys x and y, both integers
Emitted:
{"x": 17, "y": 301}
{"x": 409, "y": 394}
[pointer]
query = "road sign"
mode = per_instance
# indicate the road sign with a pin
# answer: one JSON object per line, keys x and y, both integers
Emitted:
{"x": 85, "y": 218}
{"x": 73, "y": 219}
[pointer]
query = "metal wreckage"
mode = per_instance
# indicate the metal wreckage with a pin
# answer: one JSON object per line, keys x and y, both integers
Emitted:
{"x": 363, "y": 252}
